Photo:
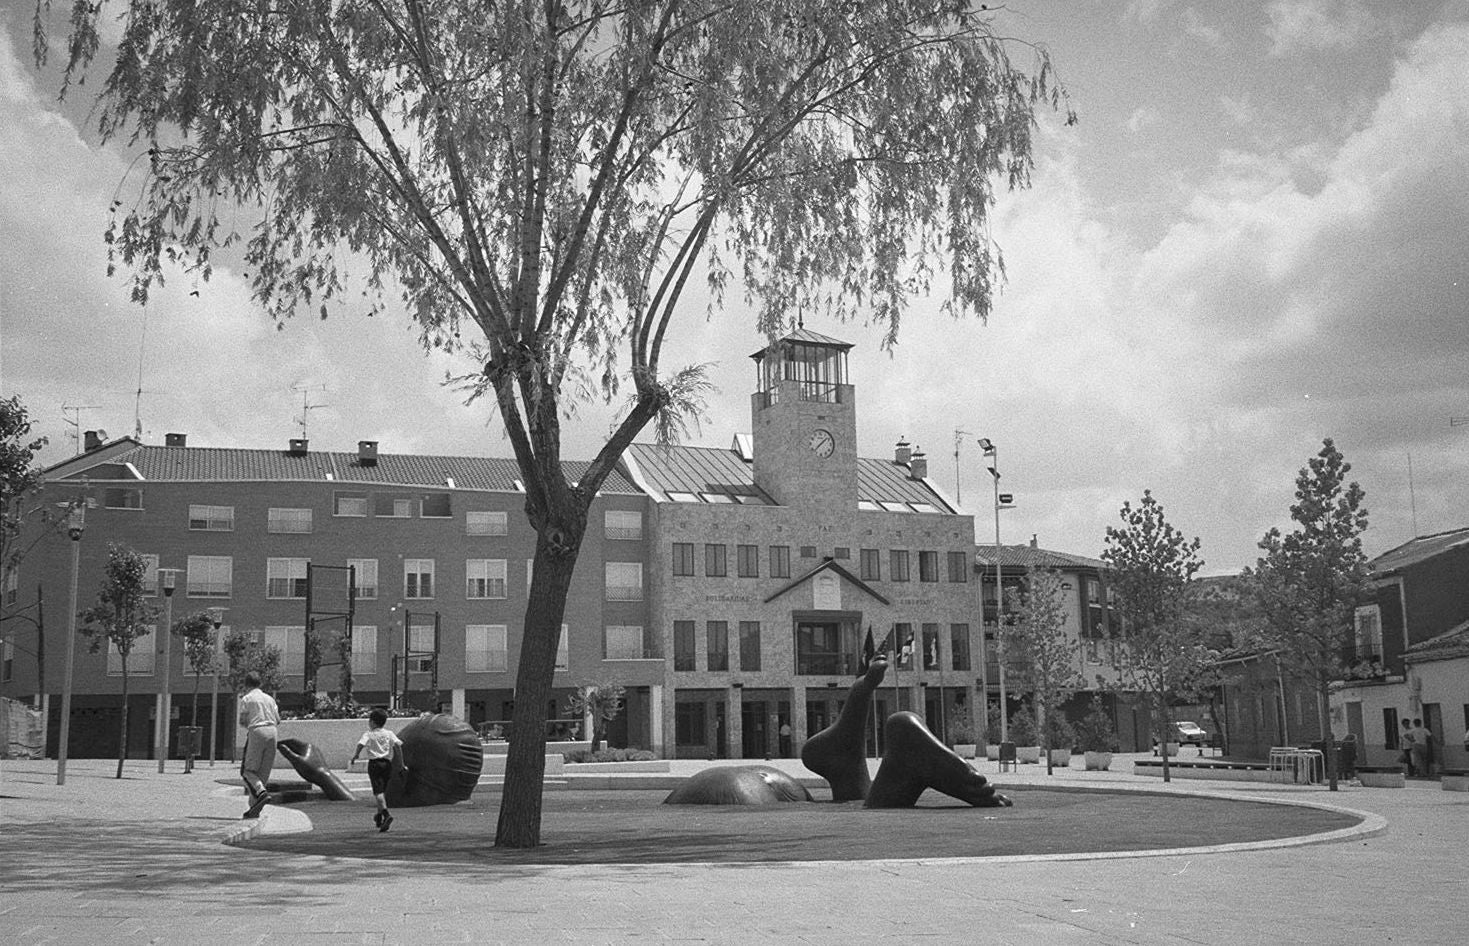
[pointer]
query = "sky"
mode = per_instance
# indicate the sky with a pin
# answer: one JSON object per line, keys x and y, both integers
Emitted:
{"x": 1255, "y": 238}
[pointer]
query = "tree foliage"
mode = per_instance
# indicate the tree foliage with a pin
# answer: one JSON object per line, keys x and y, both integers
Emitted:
{"x": 1310, "y": 580}
{"x": 121, "y": 615}
{"x": 197, "y": 632}
{"x": 245, "y": 653}
{"x": 602, "y": 701}
{"x": 19, "y": 476}
{"x": 1153, "y": 565}
{"x": 549, "y": 176}
{"x": 1041, "y": 656}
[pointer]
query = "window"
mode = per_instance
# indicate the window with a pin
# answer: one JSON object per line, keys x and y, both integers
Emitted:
{"x": 1369, "y": 633}
{"x": 718, "y": 643}
{"x": 841, "y": 552}
{"x": 563, "y": 661}
{"x": 959, "y": 646}
{"x": 391, "y": 506}
{"x": 211, "y": 518}
{"x": 898, "y": 565}
{"x": 285, "y": 577}
{"x": 291, "y": 642}
{"x": 747, "y": 561}
{"x": 12, "y": 581}
{"x": 435, "y": 506}
{"x": 623, "y": 524}
{"x": 928, "y": 566}
{"x": 749, "y": 646}
{"x": 683, "y": 645}
{"x": 622, "y": 642}
{"x": 418, "y": 578}
{"x": 484, "y": 649}
{"x": 364, "y": 650}
{"x": 827, "y": 647}
{"x": 288, "y": 520}
{"x": 209, "y": 576}
{"x": 958, "y": 567}
{"x": 780, "y": 561}
{"x": 931, "y": 656}
{"x": 150, "y": 577}
{"x": 715, "y": 563}
{"x": 120, "y": 497}
{"x": 624, "y": 581}
{"x": 869, "y": 564}
{"x": 808, "y": 551}
{"x": 485, "y": 578}
{"x": 903, "y": 635}
{"x": 140, "y": 654}
{"x": 7, "y": 660}
{"x": 485, "y": 522}
{"x": 349, "y": 504}
{"x": 365, "y": 574}
{"x": 688, "y": 724}
{"x": 683, "y": 558}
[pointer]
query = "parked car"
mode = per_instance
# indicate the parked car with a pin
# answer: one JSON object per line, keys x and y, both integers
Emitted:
{"x": 1190, "y": 734}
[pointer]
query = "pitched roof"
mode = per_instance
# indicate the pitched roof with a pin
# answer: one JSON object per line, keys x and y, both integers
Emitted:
{"x": 232, "y": 464}
{"x": 805, "y": 336}
{"x": 1029, "y": 556}
{"x": 1451, "y": 643}
{"x": 827, "y": 564}
{"x": 1417, "y": 550}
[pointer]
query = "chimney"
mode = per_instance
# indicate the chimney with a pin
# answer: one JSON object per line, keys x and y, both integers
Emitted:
{"x": 175, "y": 440}
{"x": 1033, "y": 542}
{"x": 91, "y": 440}
{"x": 903, "y": 453}
{"x": 367, "y": 452}
{"x": 918, "y": 466}
{"x": 298, "y": 447}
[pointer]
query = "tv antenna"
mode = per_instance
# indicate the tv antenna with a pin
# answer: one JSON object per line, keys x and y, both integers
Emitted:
{"x": 307, "y": 407}
{"x": 959, "y": 436}
{"x": 75, "y": 420}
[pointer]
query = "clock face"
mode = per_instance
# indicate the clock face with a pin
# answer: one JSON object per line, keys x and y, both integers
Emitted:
{"x": 822, "y": 443}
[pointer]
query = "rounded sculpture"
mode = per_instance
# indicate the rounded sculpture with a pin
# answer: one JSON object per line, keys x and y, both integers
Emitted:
{"x": 310, "y": 764}
{"x": 442, "y": 761}
{"x": 738, "y": 785}
{"x": 915, "y": 760}
{"x": 838, "y": 753}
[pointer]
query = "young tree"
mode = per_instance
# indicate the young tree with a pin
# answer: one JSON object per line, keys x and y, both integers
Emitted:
{"x": 1152, "y": 565}
{"x": 1040, "y": 656}
{"x": 19, "y": 477}
{"x": 1309, "y": 581}
{"x": 602, "y": 701}
{"x": 245, "y": 652}
{"x": 550, "y": 176}
{"x": 197, "y": 633}
{"x": 121, "y": 615}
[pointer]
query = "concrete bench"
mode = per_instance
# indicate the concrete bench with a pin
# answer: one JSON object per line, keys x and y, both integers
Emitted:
{"x": 1381, "y": 776}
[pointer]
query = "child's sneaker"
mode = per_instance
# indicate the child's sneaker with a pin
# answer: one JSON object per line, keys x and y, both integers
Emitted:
{"x": 377, "y": 818}
{"x": 385, "y": 823}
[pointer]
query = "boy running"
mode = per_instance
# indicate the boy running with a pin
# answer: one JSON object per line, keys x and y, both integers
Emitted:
{"x": 383, "y": 749}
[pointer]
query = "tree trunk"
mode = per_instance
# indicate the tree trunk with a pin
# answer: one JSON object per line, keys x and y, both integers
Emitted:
{"x": 1163, "y": 723}
{"x": 519, "y": 824}
{"x": 1328, "y": 741}
{"x": 122, "y": 746}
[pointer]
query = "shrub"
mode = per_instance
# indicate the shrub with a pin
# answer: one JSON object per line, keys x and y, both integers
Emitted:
{"x": 608, "y": 755}
{"x": 961, "y": 729}
{"x": 1023, "y": 728}
{"x": 1095, "y": 732}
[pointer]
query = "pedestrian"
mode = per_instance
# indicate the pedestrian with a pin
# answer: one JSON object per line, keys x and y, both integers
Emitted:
{"x": 258, "y": 717}
{"x": 384, "y": 749}
{"x": 1420, "y": 749}
{"x": 1406, "y": 740}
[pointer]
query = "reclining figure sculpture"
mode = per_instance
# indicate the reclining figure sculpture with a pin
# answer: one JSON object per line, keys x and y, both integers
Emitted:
{"x": 838, "y": 753}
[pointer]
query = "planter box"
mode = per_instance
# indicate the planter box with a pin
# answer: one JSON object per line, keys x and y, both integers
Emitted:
{"x": 1381, "y": 778}
{"x": 967, "y": 750}
{"x": 1097, "y": 761}
{"x": 992, "y": 751}
{"x": 1453, "y": 780}
{"x": 1060, "y": 758}
{"x": 1027, "y": 753}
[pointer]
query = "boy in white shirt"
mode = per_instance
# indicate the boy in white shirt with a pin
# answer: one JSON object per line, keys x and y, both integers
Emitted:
{"x": 383, "y": 749}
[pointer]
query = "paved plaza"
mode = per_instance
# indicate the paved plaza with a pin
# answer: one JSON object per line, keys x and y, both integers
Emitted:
{"x": 142, "y": 860}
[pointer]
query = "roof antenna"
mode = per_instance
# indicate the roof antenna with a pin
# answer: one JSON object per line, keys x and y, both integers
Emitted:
{"x": 307, "y": 407}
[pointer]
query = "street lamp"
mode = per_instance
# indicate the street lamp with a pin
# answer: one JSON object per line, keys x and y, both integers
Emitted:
{"x": 216, "y": 617}
{"x": 76, "y": 524}
{"x": 167, "y": 579}
{"x": 993, "y": 452}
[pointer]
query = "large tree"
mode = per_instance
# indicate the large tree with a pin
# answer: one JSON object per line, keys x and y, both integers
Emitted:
{"x": 1040, "y": 656}
{"x": 1310, "y": 581}
{"x": 548, "y": 176}
{"x": 1152, "y": 566}
{"x": 121, "y": 615}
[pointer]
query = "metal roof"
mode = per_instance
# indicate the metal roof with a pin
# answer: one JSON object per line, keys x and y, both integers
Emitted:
{"x": 1029, "y": 556}
{"x": 1417, "y": 550}
{"x": 232, "y": 464}
{"x": 804, "y": 336}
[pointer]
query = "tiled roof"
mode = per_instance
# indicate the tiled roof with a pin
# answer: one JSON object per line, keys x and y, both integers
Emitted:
{"x": 1028, "y": 556}
{"x": 1451, "y": 643}
{"x": 804, "y": 335}
{"x": 1417, "y": 550}
{"x": 228, "y": 464}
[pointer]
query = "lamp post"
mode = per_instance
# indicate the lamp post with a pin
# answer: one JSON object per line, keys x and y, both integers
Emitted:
{"x": 216, "y": 617}
{"x": 76, "y": 523}
{"x": 993, "y": 452}
{"x": 167, "y": 579}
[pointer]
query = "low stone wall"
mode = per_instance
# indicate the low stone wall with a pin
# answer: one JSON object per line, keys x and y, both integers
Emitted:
{"x": 336, "y": 739}
{"x": 1219, "y": 771}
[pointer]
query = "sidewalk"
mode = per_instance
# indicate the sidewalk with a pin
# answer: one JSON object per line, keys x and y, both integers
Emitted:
{"x": 141, "y": 860}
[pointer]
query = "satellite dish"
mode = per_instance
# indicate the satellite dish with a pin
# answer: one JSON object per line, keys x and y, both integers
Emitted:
{"x": 101, "y": 434}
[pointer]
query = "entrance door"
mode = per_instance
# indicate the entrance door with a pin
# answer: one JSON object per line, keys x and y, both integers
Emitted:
{"x": 754, "y": 725}
{"x": 1433, "y": 719}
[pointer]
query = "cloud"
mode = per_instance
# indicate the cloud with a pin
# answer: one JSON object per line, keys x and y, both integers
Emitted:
{"x": 1142, "y": 117}
{"x": 1315, "y": 25}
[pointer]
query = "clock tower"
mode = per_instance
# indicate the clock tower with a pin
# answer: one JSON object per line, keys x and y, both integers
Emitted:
{"x": 804, "y": 423}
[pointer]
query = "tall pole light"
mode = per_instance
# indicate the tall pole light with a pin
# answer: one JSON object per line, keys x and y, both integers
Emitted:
{"x": 216, "y": 617}
{"x": 76, "y": 523}
{"x": 167, "y": 580}
{"x": 993, "y": 452}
